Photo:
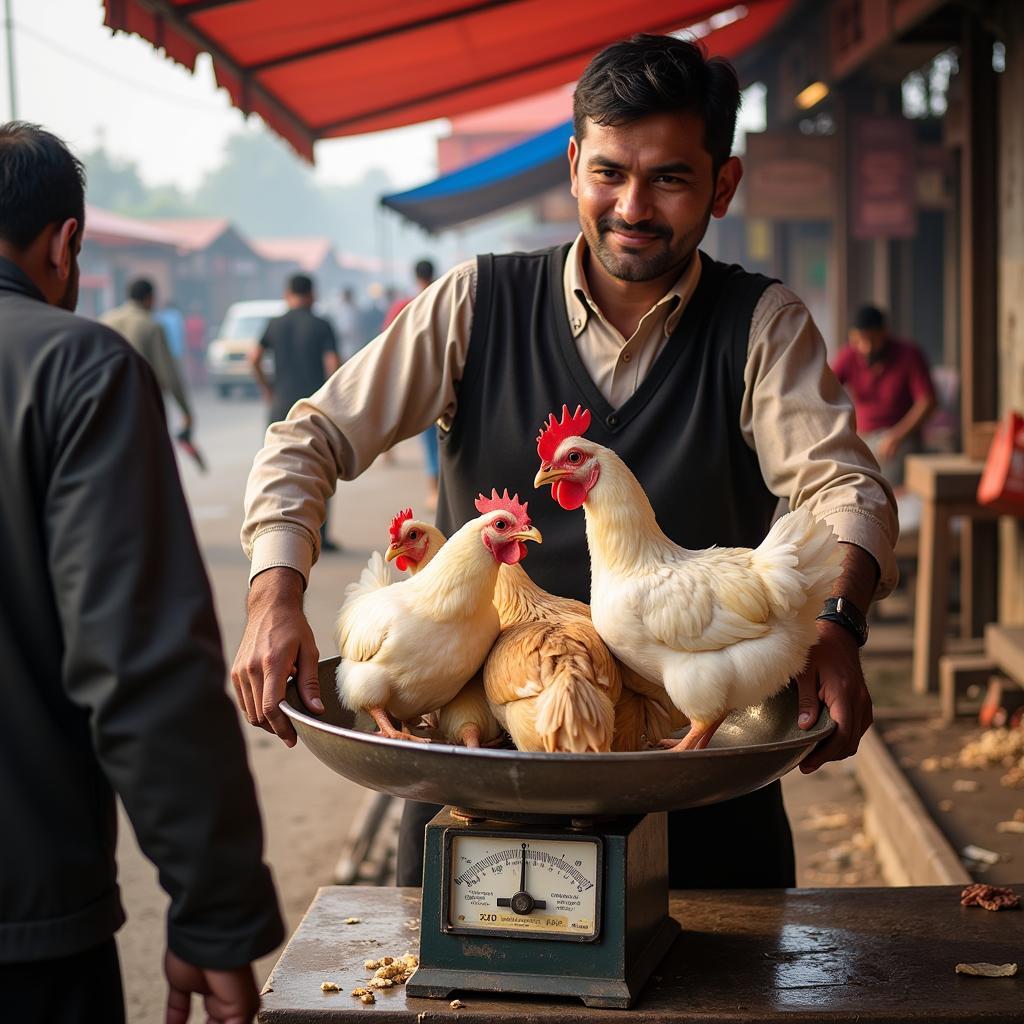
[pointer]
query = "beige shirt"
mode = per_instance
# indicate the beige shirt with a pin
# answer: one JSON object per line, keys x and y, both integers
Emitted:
{"x": 794, "y": 413}
{"x": 138, "y": 327}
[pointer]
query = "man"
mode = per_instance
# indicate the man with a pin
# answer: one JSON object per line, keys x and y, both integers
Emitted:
{"x": 345, "y": 316}
{"x": 891, "y": 388}
{"x": 135, "y": 322}
{"x": 423, "y": 272}
{"x": 679, "y": 358}
{"x": 113, "y": 674}
{"x": 305, "y": 355}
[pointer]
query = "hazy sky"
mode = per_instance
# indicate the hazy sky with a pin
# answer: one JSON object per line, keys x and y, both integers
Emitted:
{"x": 79, "y": 80}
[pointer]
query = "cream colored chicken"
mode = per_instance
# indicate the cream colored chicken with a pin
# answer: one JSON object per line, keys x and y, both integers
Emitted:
{"x": 408, "y": 648}
{"x": 538, "y": 675}
{"x": 467, "y": 718}
{"x": 720, "y": 628}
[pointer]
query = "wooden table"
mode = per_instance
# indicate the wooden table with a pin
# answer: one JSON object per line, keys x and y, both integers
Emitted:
{"x": 838, "y": 955}
{"x": 947, "y": 485}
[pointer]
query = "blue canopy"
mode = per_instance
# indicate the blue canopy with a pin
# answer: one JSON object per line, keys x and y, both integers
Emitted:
{"x": 511, "y": 176}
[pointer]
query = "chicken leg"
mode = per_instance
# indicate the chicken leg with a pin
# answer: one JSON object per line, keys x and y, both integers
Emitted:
{"x": 380, "y": 716}
{"x": 697, "y": 738}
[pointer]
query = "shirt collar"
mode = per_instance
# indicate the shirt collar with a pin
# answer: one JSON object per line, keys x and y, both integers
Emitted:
{"x": 580, "y": 304}
{"x": 14, "y": 279}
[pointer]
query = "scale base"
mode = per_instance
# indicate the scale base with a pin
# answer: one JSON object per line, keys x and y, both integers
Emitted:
{"x": 635, "y": 929}
{"x": 597, "y": 993}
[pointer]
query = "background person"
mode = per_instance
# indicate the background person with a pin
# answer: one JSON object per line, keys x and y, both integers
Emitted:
{"x": 305, "y": 355}
{"x": 423, "y": 272}
{"x": 891, "y": 388}
{"x": 135, "y": 322}
{"x": 113, "y": 676}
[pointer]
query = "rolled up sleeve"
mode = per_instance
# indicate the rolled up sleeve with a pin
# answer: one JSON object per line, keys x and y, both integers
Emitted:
{"x": 800, "y": 422}
{"x": 393, "y": 388}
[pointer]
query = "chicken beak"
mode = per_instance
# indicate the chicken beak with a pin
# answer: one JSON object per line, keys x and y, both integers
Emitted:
{"x": 548, "y": 475}
{"x": 531, "y": 534}
{"x": 393, "y": 551}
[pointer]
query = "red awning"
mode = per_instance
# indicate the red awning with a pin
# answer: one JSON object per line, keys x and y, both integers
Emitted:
{"x": 316, "y": 69}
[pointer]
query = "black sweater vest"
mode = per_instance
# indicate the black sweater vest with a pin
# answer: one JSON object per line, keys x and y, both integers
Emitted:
{"x": 679, "y": 432}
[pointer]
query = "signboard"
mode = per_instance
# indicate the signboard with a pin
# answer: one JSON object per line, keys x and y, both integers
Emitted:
{"x": 883, "y": 178}
{"x": 790, "y": 176}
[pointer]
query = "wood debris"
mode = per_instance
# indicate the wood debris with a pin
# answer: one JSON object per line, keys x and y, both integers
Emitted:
{"x": 965, "y": 786}
{"x": 987, "y": 970}
{"x": 456, "y": 1004}
{"x": 352, "y": 920}
{"x": 329, "y": 986}
{"x": 1016, "y": 827}
{"x": 991, "y": 897}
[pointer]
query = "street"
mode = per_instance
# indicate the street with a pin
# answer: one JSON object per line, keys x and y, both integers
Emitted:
{"x": 306, "y": 808}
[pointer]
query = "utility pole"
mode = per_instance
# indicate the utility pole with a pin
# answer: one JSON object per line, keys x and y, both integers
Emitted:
{"x": 12, "y": 86}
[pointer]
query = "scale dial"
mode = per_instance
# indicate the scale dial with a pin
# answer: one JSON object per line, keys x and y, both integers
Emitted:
{"x": 539, "y": 887}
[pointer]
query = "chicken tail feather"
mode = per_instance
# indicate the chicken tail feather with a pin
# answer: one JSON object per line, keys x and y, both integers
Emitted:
{"x": 375, "y": 575}
{"x": 573, "y": 713}
{"x": 798, "y": 559}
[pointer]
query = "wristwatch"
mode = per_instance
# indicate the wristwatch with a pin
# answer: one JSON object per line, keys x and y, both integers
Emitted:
{"x": 843, "y": 612}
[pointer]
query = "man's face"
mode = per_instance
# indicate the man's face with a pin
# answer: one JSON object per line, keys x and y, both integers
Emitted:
{"x": 867, "y": 341}
{"x": 646, "y": 191}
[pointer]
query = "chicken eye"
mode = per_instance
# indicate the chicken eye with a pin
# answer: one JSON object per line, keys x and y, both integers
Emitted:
{"x": 500, "y": 524}
{"x": 414, "y": 534}
{"x": 575, "y": 457}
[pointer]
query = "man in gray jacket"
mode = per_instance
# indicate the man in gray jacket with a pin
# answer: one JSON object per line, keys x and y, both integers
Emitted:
{"x": 112, "y": 666}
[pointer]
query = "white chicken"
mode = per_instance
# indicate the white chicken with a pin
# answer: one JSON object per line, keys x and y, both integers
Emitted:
{"x": 720, "y": 628}
{"x": 409, "y": 647}
{"x": 549, "y": 677}
{"x": 467, "y": 718}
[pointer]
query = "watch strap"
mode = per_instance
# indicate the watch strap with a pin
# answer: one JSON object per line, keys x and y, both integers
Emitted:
{"x": 843, "y": 612}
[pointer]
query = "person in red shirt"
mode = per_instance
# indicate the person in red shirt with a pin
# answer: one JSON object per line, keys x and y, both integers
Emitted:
{"x": 891, "y": 388}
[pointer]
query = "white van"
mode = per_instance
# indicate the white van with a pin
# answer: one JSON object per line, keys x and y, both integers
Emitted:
{"x": 227, "y": 358}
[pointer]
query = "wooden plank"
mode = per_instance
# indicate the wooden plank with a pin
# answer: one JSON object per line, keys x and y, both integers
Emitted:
{"x": 875, "y": 956}
{"x": 932, "y": 598}
{"x": 1005, "y": 646}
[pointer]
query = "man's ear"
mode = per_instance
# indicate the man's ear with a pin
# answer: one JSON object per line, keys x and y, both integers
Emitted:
{"x": 61, "y": 250}
{"x": 574, "y": 159}
{"x": 728, "y": 180}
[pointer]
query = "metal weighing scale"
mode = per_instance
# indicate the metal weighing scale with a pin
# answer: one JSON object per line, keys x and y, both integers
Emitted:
{"x": 547, "y": 874}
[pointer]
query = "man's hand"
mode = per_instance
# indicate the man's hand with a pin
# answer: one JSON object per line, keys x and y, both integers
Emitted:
{"x": 230, "y": 997}
{"x": 889, "y": 445}
{"x": 834, "y": 675}
{"x": 277, "y": 643}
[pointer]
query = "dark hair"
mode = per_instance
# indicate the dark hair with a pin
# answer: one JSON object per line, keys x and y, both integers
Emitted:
{"x": 300, "y": 284}
{"x": 424, "y": 271}
{"x": 41, "y": 183}
{"x": 140, "y": 289}
{"x": 869, "y": 318}
{"x": 649, "y": 74}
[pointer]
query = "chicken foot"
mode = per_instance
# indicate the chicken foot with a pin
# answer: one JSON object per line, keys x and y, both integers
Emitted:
{"x": 380, "y": 716}
{"x": 697, "y": 738}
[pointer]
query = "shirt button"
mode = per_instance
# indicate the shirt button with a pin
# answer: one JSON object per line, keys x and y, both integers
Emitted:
{"x": 612, "y": 421}
{"x": 577, "y": 324}
{"x": 626, "y": 356}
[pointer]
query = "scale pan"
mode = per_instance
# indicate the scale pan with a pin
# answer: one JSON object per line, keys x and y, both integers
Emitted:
{"x": 750, "y": 749}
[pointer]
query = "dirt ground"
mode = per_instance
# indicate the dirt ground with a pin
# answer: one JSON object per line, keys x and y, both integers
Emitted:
{"x": 969, "y": 804}
{"x": 307, "y": 809}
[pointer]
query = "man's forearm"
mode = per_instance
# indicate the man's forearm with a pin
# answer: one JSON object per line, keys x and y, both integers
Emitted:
{"x": 918, "y": 413}
{"x": 859, "y": 578}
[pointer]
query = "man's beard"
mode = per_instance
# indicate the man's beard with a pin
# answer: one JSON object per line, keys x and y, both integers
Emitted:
{"x": 636, "y": 267}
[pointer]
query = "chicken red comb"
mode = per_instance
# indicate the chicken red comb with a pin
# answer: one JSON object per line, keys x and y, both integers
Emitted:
{"x": 556, "y": 431}
{"x": 396, "y": 524}
{"x": 502, "y": 502}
